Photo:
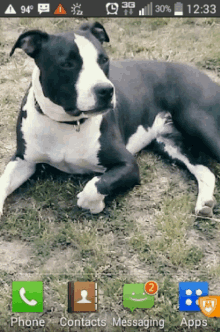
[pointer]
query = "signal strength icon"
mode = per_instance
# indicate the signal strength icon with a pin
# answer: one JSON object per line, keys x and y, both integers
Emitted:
{"x": 147, "y": 10}
{"x": 10, "y": 10}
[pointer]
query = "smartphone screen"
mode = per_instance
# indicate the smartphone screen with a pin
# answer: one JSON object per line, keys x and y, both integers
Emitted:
{"x": 92, "y": 103}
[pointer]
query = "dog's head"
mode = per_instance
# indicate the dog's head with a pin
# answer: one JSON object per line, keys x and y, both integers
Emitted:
{"x": 73, "y": 68}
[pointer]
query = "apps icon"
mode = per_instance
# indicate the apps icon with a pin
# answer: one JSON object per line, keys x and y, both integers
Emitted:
{"x": 189, "y": 293}
{"x": 82, "y": 296}
{"x": 27, "y": 296}
{"x": 135, "y": 296}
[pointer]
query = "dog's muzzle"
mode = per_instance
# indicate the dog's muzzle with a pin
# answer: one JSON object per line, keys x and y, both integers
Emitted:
{"x": 104, "y": 102}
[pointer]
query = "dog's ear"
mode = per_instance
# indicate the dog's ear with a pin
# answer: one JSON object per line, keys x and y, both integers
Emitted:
{"x": 30, "y": 42}
{"x": 97, "y": 30}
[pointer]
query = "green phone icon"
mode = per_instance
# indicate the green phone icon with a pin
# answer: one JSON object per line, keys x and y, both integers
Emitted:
{"x": 27, "y": 296}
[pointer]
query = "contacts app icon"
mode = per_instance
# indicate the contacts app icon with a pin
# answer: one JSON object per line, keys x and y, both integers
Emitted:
{"x": 82, "y": 296}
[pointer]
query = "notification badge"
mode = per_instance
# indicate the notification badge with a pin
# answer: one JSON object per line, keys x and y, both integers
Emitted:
{"x": 151, "y": 287}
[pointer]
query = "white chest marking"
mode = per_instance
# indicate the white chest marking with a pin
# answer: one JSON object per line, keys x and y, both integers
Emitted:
{"x": 58, "y": 144}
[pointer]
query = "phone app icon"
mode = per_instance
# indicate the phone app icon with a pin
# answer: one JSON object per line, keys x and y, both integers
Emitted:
{"x": 139, "y": 295}
{"x": 27, "y": 296}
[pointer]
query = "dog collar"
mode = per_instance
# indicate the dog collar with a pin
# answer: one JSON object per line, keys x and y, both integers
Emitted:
{"x": 75, "y": 124}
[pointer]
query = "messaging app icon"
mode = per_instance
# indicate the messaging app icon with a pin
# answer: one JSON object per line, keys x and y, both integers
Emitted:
{"x": 27, "y": 296}
{"x": 135, "y": 297}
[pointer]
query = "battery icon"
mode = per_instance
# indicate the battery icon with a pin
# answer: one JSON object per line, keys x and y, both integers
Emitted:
{"x": 178, "y": 9}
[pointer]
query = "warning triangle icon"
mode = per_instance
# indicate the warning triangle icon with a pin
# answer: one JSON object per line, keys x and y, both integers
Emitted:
{"x": 60, "y": 10}
{"x": 10, "y": 10}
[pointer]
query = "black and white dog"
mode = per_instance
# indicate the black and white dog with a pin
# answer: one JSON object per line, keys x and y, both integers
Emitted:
{"x": 82, "y": 114}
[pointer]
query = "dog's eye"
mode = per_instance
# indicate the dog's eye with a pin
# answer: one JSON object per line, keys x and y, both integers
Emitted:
{"x": 68, "y": 64}
{"x": 103, "y": 60}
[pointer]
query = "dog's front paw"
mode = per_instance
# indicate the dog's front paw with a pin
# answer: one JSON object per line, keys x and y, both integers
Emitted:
{"x": 205, "y": 208}
{"x": 90, "y": 198}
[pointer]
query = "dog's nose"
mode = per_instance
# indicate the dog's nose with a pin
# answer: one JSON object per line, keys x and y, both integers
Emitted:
{"x": 104, "y": 91}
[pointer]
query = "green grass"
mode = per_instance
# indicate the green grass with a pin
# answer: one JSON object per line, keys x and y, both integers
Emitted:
{"x": 149, "y": 233}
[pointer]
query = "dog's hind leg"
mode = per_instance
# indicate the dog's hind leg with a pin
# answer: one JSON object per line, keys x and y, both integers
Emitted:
{"x": 16, "y": 172}
{"x": 201, "y": 126}
{"x": 172, "y": 146}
